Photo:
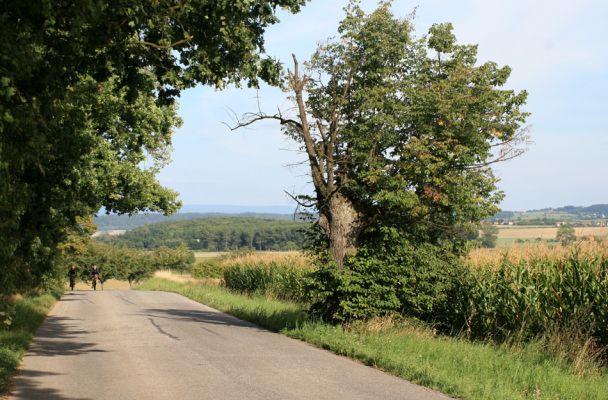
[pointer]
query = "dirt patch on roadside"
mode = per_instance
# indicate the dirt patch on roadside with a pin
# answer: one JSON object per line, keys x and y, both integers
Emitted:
{"x": 184, "y": 278}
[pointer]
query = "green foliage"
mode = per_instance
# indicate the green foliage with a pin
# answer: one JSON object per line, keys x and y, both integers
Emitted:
{"x": 180, "y": 259}
{"x": 420, "y": 281}
{"x": 565, "y": 234}
{"x": 124, "y": 263}
{"x": 26, "y": 315}
{"x": 208, "y": 268}
{"x": 403, "y": 135}
{"x": 217, "y": 234}
{"x": 488, "y": 235}
{"x": 87, "y": 94}
{"x": 418, "y": 121}
{"x": 127, "y": 222}
{"x": 542, "y": 297}
{"x": 281, "y": 281}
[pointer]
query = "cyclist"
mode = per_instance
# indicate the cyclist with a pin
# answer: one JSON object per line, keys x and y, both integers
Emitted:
{"x": 94, "y": 276}
{"x": 72, "y": 274}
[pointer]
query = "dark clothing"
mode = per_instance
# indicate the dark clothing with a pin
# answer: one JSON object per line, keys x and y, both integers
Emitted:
{"x": 94, "y": 272}
{"x": 72, "y": 274}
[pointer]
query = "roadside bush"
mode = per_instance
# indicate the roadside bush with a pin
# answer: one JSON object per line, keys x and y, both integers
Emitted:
{"x": 418, "y": 281}
{"x": 208, "y": 268}
{"x": 125, "y": 263}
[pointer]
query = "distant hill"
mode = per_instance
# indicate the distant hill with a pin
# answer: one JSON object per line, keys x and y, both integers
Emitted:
{"x": 232, "y": 209}
{"x": 593, "y": 210}
{"x": 216, "y": 234}
{"x": 124, "y": 222}
{"x": 591, "y": 215}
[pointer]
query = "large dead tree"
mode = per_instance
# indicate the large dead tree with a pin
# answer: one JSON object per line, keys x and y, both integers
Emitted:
{"x": 338, "y": 216}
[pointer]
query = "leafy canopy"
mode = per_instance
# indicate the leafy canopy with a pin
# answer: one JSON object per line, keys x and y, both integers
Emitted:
{"x": 411, "y": 127}
{"x": 418, "y": 123}
{"x": 87, "y": 106}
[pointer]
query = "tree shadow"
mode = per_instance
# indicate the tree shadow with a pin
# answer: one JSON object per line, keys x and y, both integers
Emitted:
{"x": 76, "y": 296}
{"x": 28, "y": 386}
{"x": 208, "y": 317}
{"x": 57, "y": 337}
{"x": 261, "y": 320}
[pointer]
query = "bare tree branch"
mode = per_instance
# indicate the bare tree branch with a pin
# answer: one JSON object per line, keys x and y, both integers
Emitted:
{"x": 299, "y": 202}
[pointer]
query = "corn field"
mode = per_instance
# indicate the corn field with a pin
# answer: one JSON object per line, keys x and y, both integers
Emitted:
{"x": 281, "y": 275}
{"x": 534, "y": 291}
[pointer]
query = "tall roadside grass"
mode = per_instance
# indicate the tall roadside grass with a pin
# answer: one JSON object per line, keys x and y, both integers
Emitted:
{"x": 282, "y": 275}
{"x": 412, "y": 350}
{"x": 19, "y": 320}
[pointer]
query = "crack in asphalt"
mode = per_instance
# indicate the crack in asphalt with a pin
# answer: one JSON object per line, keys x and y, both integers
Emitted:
{"x": 161, "y": 330}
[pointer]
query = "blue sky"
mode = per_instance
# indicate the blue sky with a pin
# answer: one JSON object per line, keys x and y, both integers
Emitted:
{"x": 558, "y": 52}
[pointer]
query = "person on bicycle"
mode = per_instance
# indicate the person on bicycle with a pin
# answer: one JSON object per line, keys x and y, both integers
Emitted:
{"x": 94, "y": 276}
{"x": 72, "y": 275}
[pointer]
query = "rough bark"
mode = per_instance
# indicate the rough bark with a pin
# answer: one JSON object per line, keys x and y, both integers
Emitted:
{"x": 339, "y": 217}
{"x": 342, "y": 223}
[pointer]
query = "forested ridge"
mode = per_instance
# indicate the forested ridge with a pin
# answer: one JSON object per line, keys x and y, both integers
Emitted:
{"x": 126, "y": 222}
{"x": 217, "y": 234}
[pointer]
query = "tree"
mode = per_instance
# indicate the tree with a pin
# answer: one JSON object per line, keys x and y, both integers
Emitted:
{"x": 87, "y": 97}
{"x": 565, "y": 234}
{"x": 400, "y": 133}
{"x": 488, "y": 234}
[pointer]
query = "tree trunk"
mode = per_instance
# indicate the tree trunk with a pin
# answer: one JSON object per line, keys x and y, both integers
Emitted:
{"x": 342, "y": 223}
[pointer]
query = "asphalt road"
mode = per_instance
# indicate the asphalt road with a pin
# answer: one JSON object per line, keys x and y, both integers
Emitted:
{"x": 155, "y": 345}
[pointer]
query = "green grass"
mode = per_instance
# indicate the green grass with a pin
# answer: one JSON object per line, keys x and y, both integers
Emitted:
{"x": 29, "y": 314}
{"x": 272, "y": 314}
{"x": 454, "y": 366}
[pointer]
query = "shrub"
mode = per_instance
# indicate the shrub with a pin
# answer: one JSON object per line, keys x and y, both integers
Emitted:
{"x": 209, "y": 268}
{"x": 422, "y": 281}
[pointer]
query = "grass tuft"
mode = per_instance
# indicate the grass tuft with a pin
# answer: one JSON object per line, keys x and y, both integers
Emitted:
{"x": 28, "y": 313}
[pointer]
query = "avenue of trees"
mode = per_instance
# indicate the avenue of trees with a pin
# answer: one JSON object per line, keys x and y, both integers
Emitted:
{"x": 88, "y": 95}
{"x": 216, "y": 234}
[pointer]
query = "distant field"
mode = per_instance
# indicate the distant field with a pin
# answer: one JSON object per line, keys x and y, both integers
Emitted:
{"x": 113, "y": 232}
{"x": 201, "y": 255}
{"x": 545, "y": 232}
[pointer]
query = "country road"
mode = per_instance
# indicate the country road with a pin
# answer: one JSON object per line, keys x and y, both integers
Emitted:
{"x": 156, "y": 345}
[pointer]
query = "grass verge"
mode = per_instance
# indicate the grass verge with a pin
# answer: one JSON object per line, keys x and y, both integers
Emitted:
{"x": 456, "y": 367}
{"x": 29, "y": 312}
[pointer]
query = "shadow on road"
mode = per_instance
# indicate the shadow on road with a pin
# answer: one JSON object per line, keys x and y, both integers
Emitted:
{"x": 29, "y": 386}
{"x": 199, "y": 316}
{"x": 56, "y": 337}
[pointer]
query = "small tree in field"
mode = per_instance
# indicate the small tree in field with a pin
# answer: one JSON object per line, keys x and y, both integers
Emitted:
{"x": 488, "y": 235}
{"x": 565, "y": 234}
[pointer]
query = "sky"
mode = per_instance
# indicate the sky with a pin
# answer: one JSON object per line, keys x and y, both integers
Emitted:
{"x": 557, "y": 50}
